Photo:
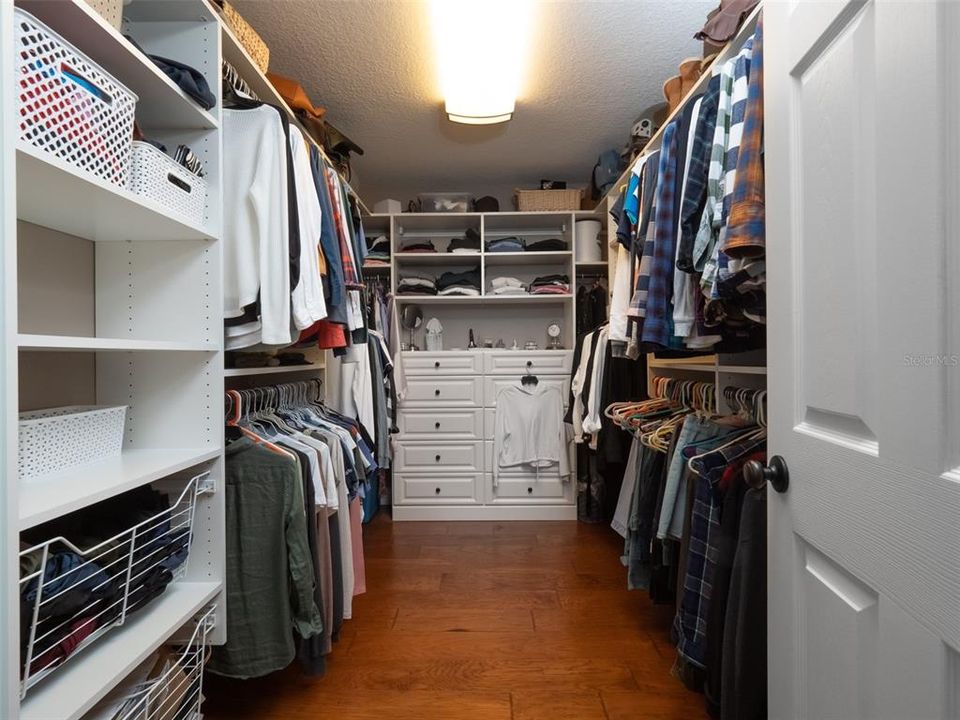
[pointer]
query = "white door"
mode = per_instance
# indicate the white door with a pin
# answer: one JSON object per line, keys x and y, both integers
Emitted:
{"x": 863, "y": 225}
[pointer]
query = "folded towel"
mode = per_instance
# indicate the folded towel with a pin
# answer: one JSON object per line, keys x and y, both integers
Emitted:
{"x": 504, "y": 281}
{"x": 460, "y": 290}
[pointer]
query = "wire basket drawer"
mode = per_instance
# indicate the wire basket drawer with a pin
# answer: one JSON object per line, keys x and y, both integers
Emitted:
{"x": 71, "y": 596}
{"x": 173, "y": 689}
{"x": 69, "y": 106}
{"x": 61, "y": 438}
{"x": 158, "y": 177}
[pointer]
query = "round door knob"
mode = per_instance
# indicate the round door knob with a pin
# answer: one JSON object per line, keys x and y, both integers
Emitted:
{"x": 776, "y": 473}
{"x": 437, "y": 425}
{"x": 436, "y": 392}
{"x": 437, "y": 364}
{"x": 529, "y": 491}
{"x": 437, "y": 458}
{"x": 437, "y": 491}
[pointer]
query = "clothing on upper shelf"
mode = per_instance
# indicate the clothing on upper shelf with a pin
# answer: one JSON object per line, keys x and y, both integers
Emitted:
{"x": 466, "y": 282}
{"x": 510, "y": 290}
{"x": 416, "y": 285}
{"x": 506, "y": 244}
{"x": 421, "y": 246}
{"x": 528, "y": 430}
{"x": 469, "y": 244}
{"x": 691, "y": 219}
{"x": 550, "y": 285}
{"x": 379, "y": 249}
{"x": 549, "y": 245}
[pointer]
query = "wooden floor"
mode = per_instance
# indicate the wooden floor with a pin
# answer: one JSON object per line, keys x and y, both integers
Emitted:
{"x": 485, "y": 621}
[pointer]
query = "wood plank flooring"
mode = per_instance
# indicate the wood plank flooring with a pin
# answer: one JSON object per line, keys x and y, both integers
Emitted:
{"x": 484, "y": 621}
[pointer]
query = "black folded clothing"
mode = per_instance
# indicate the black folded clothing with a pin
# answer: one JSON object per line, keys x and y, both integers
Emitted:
{"x": 464, "y": 243}
{"x": 422, "y": 246}
{"x": 467, "y": 278}
{"x": 551, "y": 245}
{"x": 416, "y": 290}
{"x": 551, "y": 280}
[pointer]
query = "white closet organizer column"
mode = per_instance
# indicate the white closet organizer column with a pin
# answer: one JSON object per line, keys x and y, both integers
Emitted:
{"x": 9, "y": 567}
{"x": 120, "y": 303}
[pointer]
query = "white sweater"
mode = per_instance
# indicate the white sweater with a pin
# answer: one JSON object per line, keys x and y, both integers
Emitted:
{"x": 308, "y": 303}
{"x": 255, "y": 222}
{"x": 528, "y": 429}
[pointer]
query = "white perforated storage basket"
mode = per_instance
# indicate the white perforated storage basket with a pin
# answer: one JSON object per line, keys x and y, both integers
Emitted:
{"x": 157, "y": 176}
{"x": 57, "y": 439}
{"x": 69, "y": 106}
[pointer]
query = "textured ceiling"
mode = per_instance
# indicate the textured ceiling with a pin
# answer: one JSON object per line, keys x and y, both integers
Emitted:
{"x": 593, "y": 67}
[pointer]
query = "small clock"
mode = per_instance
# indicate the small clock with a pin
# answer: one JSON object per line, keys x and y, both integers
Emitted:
{"x": 553, "y": 332}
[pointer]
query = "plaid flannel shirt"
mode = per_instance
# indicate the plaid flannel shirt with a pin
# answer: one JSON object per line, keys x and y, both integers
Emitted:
{"x": 716, "y": 265}
{"x": 693, "y": 610}
{"x": 695, "y": 190}
{"x": 658, "y": 323}
{"x": 350, "y": 276}
{"x": 746, "y": 222}
{"x": 643, "y": 242}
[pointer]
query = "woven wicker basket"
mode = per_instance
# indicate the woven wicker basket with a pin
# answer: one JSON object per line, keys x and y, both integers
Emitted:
{"x": 528, "y": 200}
{"x": 248, "y": 37}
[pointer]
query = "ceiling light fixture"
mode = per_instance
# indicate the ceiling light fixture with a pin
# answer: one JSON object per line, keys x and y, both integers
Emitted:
{"x": 481, "y": 47}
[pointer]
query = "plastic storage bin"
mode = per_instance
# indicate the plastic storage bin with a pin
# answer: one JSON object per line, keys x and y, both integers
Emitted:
{"x": 156, "y": 176}
{"x": 61, "y": 438}
{"x": 445, "y": 202}
{"x": 68, "y": 105}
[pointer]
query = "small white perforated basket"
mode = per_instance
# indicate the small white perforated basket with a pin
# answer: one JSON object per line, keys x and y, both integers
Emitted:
{"x": 57, "y": 439}
{"x": 69, "y": 106}
{"x": 157, "y": 176}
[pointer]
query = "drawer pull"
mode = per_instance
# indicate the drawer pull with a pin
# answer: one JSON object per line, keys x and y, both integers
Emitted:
{"x": 529, "y": 491}
{"x": 437, "y": 491}
{"x": 436, "y": 393}
{"x": 437, "y": 458}
{"x": 529, "y": 363}
{"x": 436, "y": 425}
{"x": 437, "y": 364}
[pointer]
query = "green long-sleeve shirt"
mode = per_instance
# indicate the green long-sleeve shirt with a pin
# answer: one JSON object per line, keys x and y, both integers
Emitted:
{"x": 269, "y": 568}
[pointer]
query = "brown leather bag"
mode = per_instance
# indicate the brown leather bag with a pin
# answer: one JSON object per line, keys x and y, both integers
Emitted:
{"x": 295, "y": 96}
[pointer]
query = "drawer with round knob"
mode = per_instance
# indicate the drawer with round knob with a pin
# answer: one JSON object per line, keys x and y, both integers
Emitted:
{"x": 441, "y": 363}
{"x": 439, "y": 490}
{"x": 441, "y": 424}
{"x": 521, "y": 361}
{"x": 521, "y": 488}
{"x": 443, "y": 392}
{"x": 438, "y": 457}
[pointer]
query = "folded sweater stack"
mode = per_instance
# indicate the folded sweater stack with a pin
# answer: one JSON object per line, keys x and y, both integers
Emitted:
{"x": 465, "y": 283}
{"x": 551, "y": 285}
{"x": 379, "y": 253}
{"x": 469, "y": 244}
{"x": 507, "y": 286}
{"x": 416, "y": 285}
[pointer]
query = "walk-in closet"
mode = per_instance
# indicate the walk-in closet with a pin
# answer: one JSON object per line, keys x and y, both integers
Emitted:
{"x": 501, "y": 360}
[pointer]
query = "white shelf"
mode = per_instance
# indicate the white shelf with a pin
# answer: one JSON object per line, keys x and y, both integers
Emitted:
{"x": 743, "y": 369}
{"x": 161, "y": 103}
{"x": 244, "y": 372}
{"x": 412, "y": 258}
{"x": 558, "y": 257}
{"x": 686, "y": 367}
{"x": 50, "y": 497}
{"x": 57, "y": 195}
{"x": 69, "y": 343}
{"x": 77, "y": 686}
{"x": 482, "y": 299}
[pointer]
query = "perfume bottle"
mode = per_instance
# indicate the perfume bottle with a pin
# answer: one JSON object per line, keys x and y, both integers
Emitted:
{"x": 472, "y": 344}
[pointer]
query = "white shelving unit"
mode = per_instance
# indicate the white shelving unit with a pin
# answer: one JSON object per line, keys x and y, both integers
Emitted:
{"x": 109, "y": 298}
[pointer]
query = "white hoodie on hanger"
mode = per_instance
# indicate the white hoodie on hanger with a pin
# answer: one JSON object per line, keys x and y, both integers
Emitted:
{"x": 529, "y": 430}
